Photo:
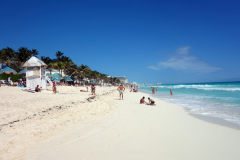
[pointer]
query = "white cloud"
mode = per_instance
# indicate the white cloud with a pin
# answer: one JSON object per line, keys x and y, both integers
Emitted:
{"x": 184, "y": 61}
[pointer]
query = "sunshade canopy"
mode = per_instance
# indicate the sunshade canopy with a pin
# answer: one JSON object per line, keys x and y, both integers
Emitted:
{"x": 8, "y": 70}
{"x": 67, "y": 78}
{"x": 49, "y": 75}
{"x": 94, "y": 81}
{"x": 22, "y": 71}
{"x": 57, "y": 75}
{"x": 34, "y": 61}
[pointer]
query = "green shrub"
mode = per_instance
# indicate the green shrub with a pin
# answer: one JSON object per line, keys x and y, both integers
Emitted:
{"x": 14, "y": 78}
{"x": 3, "y": 76}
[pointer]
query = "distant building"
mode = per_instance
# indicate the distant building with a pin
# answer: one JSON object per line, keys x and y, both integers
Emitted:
{"x": 122, "y": 79}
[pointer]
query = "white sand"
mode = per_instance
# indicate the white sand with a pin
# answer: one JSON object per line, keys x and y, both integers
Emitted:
{"x": 123, "y": 129}
{"x": 28, "y": 118}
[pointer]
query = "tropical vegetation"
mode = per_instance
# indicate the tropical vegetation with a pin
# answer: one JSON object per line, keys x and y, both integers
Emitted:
{"x": 62, "y": 63}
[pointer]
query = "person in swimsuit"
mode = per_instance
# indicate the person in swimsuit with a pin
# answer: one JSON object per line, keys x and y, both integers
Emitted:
{"x": 170, "y": 92}
{"x": 54, "y": 88}
{"x": 151, "y": 102}
{"x": 121, "y": 89}
{"x": 142, "y": 101}
{"x": 153, "y": 90}
{"x": 136, "y": 90}
{"x": 93, "y": 89}
{"x": 37, "y": 89}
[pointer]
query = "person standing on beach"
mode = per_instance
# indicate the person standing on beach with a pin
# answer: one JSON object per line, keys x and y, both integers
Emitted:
{"x": 9, "y": 81}
{"x": 156, "y": 89}
{"x": 170, "y": 92}
{"x": 121, "y": 89}
{"x": 54, "y": 88}
{"x": 153, "y": 90}
{"x": 93, "y": 89}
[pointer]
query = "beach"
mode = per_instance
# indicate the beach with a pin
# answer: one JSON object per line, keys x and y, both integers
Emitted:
{"x": 76, "y": 125}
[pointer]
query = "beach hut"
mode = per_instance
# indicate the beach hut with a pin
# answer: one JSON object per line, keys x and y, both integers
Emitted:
{"x": 35, "y": 73}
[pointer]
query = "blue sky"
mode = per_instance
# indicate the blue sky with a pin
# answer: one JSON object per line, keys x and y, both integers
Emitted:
{"x": 146, "y": 41}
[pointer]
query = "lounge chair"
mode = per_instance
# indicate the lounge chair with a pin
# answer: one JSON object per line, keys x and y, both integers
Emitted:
{"x": 4, "y": 83}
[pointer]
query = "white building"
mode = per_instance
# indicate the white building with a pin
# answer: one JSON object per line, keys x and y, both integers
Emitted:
{"x": 122, "y": 79}
{"x": 35, "y": 73}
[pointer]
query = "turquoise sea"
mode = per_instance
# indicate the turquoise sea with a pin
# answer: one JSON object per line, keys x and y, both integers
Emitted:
{"x": 220, "y": 100}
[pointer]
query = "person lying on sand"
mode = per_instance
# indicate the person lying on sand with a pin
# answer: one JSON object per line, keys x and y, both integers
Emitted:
{"x": 151, "y": 102}
{"x": 84, "y": 91}
{"x": 142, "y": 101}
{"x": 37, "y": 89}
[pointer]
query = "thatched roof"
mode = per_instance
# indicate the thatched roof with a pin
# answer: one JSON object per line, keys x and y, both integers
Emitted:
{"x": 34, "y": 61}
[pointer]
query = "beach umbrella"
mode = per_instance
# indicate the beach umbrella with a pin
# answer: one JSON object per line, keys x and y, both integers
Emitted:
{"x": 68, "y": 78}
{"x": 49, "y": 75}
{"x": 8, "y": 70}
{"x": 57, "y": 75}
{"x": 93, "y": 81}
{"x": 22, "y": 72}
{"x": 55, "y": 79}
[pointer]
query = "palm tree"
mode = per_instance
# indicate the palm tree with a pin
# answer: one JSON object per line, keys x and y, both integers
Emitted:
{"x": 34, "y": 52}
{"x": 59, "y": 55}
{"x": 59, "y": 66}
{"x": 49, "y": 62}
{"x": 58, "y": 62}
{"x": 66, "y": 65}
{"x": 83, "y": 70}
{"x": 94, "y": 75}
{"x": 7, "y": 55}
{"x": 23, "y": 54}
{"x": 103, "y": 77}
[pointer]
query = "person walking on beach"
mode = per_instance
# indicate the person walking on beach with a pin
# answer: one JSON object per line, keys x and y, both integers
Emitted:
{"x": 93, "y": 89}
{"x": 170, "y": 92}
{"x": 156, "y": 89}
{"x": 151, "y": 102}
{"x": 121, "y": 89}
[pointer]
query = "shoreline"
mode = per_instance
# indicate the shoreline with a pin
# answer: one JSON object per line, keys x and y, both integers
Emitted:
{"x": 206, "y": 118}
{"x": 198, "y": 106}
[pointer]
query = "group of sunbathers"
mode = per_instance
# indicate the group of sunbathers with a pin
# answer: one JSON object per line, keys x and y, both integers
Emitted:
{"x": 134, "y": 88}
